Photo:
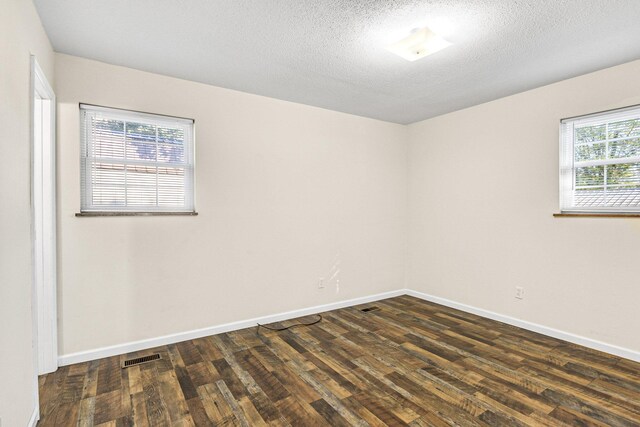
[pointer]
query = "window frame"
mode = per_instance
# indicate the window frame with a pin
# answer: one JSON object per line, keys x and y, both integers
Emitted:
{"x": 126, "y": 115}
{"x": 567, "y": 163}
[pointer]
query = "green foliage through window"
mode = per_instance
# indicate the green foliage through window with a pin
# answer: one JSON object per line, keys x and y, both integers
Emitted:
{"x": 606, "y": 163}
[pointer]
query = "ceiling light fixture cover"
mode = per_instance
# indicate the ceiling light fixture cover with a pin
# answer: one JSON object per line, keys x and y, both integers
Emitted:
{"x": 420, "y": 43}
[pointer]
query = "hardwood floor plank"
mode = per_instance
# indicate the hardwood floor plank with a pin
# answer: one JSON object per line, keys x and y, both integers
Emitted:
{"x": 109, "y": 375}
{"x": 409, "y": 362}
{"x": 215, "y": 405}
{"x": 383, "y": 408}
{"x": 156, "y": 408}
{"x": 251, "y": 413}
{"x": 229, "y": 377}
{"x": 574, "y": 418}
{"x": 202, "y": 373}
{"x": 174, "y": 396}
{"x": 332, "y": 417}
{"x": 297, "y": 412}
{"x": 86, "y": 411}
{"x": 138, "y": 404}
{"x": 248, "y": 382}
{"x": 108, "y": 407}
{"x": 267, "y": 409}
{"x": 208, "y": 349}
{"x": 197, "y": 412}
{"x": 267, "y": 358}
{"x": 576, "y": 404}
{"x": 189, "y": 353}
{"x": 233, "y": 403}
{"x": 292, "y": 382}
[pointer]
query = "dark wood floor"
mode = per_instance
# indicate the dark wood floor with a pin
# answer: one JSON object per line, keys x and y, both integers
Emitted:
{"x": 410, "y": 362}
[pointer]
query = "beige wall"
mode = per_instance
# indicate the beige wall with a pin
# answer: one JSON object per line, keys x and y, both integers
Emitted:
{"x": 483, "y": 185}
{"x": 20, "y": 35}
{"x": 284, "y": 192}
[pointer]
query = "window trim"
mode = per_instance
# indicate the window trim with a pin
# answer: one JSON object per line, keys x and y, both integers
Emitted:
{"x": 596, "y": 215}
{"x": 132, "y": 213}
{"x": 148, "y": 118}
{"x": 567, "y": 166}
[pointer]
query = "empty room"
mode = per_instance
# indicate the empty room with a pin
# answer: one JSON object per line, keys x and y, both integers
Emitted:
{"x": 320, "y": 213}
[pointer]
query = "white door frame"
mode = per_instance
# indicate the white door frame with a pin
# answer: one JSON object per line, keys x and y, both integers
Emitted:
{"x": 43, "y": 220}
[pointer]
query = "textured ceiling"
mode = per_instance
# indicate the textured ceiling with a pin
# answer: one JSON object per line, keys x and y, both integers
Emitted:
{"x": 330, "y": 53}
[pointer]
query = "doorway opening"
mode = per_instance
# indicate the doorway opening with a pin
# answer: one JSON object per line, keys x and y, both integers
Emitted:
{"x": 43, "y": 220}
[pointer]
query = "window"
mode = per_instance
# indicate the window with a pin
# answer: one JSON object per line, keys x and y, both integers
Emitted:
{"x": 600, "y": 162}
{"x": 135, "y": 162}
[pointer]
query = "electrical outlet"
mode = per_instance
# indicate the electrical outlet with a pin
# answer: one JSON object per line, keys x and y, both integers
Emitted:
{"x": 321, "y": 283}
{"x": 519, "y": 292}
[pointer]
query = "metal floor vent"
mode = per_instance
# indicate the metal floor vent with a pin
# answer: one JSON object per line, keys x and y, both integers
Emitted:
{"x": 372, "y": 308}
{"x": 138, "y": 360}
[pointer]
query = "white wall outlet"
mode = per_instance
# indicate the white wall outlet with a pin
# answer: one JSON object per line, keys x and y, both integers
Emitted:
{"x": 321, "y": 283}
{"x": 519, "y": 292}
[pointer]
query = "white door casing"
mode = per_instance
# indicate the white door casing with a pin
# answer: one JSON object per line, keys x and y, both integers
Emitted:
{"x": 43, "y": 214}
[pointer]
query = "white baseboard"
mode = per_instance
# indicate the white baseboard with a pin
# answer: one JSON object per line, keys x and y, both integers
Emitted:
{"x": 35, "y": 416}
{"x": 99, "y": 353}
{"x": 545, "y": 330}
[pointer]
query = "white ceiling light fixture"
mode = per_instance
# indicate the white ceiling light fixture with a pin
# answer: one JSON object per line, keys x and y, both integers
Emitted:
{"x": 420, "y": 43}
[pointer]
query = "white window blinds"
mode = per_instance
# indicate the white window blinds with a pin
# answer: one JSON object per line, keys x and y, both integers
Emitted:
{"x": 135, "y": 162}
{"x": 600, "y": 162}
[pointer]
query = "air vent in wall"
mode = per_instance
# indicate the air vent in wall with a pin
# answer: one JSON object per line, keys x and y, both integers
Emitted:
{"x": 138, "y": 360}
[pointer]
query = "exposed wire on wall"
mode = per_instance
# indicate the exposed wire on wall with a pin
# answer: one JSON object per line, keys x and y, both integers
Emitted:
{"x": 290, "y": 326}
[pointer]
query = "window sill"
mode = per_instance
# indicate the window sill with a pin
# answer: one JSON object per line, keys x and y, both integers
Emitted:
{"x": 83, "y": 214}
{"x": 596, "y": 215}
